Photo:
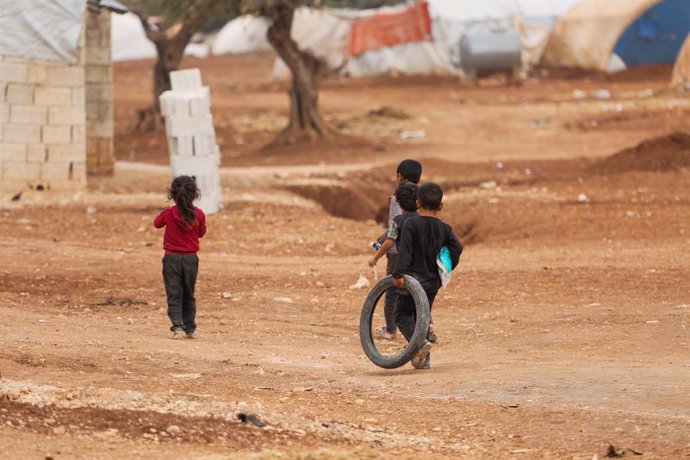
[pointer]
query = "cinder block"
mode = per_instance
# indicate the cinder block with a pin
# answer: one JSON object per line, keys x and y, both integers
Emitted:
{"x": 98, "y": 74}
{"x": 70, "y": 76}
{"x": 4, "y": 113}
{"x": 36, "y": 154}
{"x": 23, "y": 134}
{"x": 97, "y": 128}
{"x": 38, "y": 73}
{"x": 181, "y": 145}
{"x": 15, "y": 60}
{"x": 79, "y": 96}
{"x": 199, "y": 105}
{"x": 78, "y": 173}
{"x": 55, "y": 172}
{"x": 98, "y": 55}
{"x": 165, "y": 101}
{"x": 79, "y": 134}
{"x": 203, "y": 145}
{"x": 19, "y": 94}
{"x": 99, "y": 156}
{"x": 57, "y": 135}
{"x": 60, "y": 116}
{"x": 3, "y": 91}
{"x": 48, "y": 96}
{"x": 28, "y": 115}
{"x": 97, "y": 92}
{"x": 185, "y": 79}
{"x": 189, "y": 126}
{"x": 66, "y": 152}
{"x": 21, "y": 171}
{"x": 12, "y": 152}
{"x": 180, "y": 107}
{"x": 191, "y": 166}
{"x": 98, "y": 112}
{"x": 12, "y": 72}
{"x": 173, "y": 104}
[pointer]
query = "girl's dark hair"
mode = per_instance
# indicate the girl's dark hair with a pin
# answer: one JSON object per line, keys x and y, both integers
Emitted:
{"x": 406, "y": 196}
{"x": 430, "y": 196}
{"x": 184, "y": 191}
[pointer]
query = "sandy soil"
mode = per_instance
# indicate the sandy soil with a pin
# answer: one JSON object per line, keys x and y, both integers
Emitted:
{"x": 564, "y": 336}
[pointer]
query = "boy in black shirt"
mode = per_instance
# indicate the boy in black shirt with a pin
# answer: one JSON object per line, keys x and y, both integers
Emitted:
{"x": 421, "y": 240}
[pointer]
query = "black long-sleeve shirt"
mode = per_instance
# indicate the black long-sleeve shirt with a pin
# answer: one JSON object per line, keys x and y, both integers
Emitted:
{"x": 421, "y": 239}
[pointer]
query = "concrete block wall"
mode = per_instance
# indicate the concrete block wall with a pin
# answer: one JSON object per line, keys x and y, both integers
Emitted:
{"x": 98, "y": 94}
{"x": 191, "y": 136}
{"x": 42, "y": 124}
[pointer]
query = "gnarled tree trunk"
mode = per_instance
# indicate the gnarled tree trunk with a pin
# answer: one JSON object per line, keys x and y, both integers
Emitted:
{"x": 170, "y": 44}
{"x": 305, "y": 122}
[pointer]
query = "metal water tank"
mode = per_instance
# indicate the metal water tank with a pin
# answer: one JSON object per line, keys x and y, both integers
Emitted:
{"x": 486, "y": 53}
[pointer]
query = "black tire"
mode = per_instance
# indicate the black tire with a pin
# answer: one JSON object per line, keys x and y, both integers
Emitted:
{"x": 421, "y": 326}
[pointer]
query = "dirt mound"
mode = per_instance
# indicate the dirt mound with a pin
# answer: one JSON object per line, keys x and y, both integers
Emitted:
{"x": 665, "y": 153}
{"x": 347, "y": 201}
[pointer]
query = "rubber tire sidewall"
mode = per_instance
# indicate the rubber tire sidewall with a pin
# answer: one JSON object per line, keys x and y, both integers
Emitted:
{"x": 421, "y": 326}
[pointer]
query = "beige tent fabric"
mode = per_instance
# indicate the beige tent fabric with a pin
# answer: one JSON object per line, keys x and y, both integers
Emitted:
{"x": 587, "y": 34}
{"x": 681, "y": 71}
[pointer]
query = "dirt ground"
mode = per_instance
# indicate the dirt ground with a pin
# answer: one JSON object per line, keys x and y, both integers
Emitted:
{"x": 565, "y": 335}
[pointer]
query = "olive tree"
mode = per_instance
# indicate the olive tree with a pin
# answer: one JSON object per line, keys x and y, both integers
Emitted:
{"x": 183, "y": 18}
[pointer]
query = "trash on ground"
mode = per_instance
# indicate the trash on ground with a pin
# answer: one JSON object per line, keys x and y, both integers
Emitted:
{"x": 361, "y": 283}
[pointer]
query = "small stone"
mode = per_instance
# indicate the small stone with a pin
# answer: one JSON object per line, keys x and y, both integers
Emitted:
{"x": 173, "y": 429}
{"x": 602, "y": 94}
{"x": 226, "y": 295}
{"x": 282, "y": 299}
{"x": 59, "y": 429}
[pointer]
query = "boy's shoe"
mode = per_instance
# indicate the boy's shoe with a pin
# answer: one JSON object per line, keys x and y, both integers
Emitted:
{"x": 383, "y": 334}
{"x": 427, "y": 362}
{"x": 421, "y": 357}
{"x": 431, "y": 335}
{"x": 190, "y": 334}
{"x": 178, "y": 333}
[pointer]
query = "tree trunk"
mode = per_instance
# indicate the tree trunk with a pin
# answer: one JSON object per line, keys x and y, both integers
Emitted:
{"x": 170, "y": 44}
{"x": 305, "y": 122}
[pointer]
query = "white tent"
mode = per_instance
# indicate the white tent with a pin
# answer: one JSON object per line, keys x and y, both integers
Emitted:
{"x": 326, "y": 33}
{"x": 129, "y": 40}
{"x": 531, "y": 19}
{"x": 587, "y": 34}
{"x": 41, "y": 29}
{"x": 245, "y": 34}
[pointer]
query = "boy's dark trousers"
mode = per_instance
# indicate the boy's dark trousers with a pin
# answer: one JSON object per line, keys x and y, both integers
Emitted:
{"x": 179, "y": 277}
{"x": 406, "y": 311}
{"x": 391, "y": 295}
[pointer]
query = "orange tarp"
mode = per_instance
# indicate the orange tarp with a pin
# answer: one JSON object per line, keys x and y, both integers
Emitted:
{"x": 390, "y": 29}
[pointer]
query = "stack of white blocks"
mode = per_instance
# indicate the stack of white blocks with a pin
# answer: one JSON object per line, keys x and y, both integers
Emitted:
{"x": 191, "y": 136}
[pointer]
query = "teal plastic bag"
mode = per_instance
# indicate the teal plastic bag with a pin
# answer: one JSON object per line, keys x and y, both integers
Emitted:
{"x": 445, "y": 265}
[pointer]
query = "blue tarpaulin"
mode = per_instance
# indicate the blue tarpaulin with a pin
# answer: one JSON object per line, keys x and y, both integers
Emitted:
{"x": 657, "y": 36}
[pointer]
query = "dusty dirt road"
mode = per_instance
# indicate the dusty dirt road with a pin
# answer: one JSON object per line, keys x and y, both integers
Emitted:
{"x": 564, "y": 336}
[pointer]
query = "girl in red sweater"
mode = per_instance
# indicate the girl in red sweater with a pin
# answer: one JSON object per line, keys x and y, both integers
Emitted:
{"x": 184, "y": 224}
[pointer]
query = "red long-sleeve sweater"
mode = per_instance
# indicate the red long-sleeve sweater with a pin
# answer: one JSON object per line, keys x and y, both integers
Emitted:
{"x": 180, "y": 238}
